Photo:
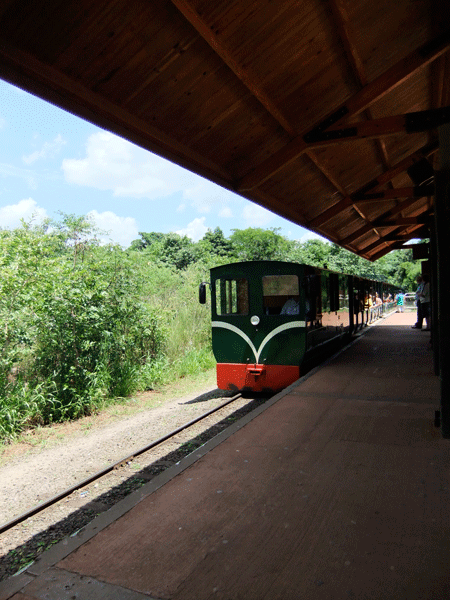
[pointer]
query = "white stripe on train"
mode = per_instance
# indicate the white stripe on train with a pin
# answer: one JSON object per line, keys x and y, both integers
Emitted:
{"x": 269, "y": 336}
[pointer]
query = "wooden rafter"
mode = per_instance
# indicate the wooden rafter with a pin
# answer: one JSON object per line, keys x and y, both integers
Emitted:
{"x": 368, "y": 227}
{"x": 45, "y": 81}
{"x": 346, "y": 35}
{"x": 345, "y": 31}
{"x": 391, "y": 238}
{"x": 373, "y": 185}
{"x": 417, "y": 191}
{"x": 250, "y": 81}
{"x": 405, "y": 221}
{"x": 355, "y": 105}
{"x": 408, "y": 123}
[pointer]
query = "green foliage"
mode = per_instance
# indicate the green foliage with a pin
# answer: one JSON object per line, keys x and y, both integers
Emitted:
{"x": 76, "y": 328}
{"x": 214, "y": 243}
{"x": 259, "y": 244}
{"x": 167, "y": 248}
{"x": 83, "y": 323}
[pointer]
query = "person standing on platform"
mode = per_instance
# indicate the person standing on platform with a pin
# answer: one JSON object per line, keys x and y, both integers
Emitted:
{"x": 400, "y": 297}
{"x": 425, "y": 300}
{"x": 420, "y": 283}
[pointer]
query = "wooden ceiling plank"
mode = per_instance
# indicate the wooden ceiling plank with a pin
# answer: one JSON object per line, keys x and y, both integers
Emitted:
{"x": 437, "y": 83}
{"x": 345, "y": 32}
{"x": 406, "y": 192}
{"x": 326, "y": 172}
{"x": 413, "y": 122}
{"x": 366, "y": 228}
{"x": 386, "y": 248}
{"x": 402, "y": 222}
{"x": 249, "y": 80}
{"x": 346, "y": 35}
{"x": 407, "y": 234}
{"x": 375, "y": 184}
{"x": 245, "y": 75}
{"x": 372, "y": 92}
{"x": 413, "y": 232}
{"x": 4, "y": 5}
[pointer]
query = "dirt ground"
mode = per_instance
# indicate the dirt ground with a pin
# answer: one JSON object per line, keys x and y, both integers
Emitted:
{"x": 45, "y": 462}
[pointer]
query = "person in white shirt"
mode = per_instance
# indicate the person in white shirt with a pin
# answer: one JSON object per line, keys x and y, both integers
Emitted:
{"x": 425, "y": 302}
{"x": 418, "y": 323}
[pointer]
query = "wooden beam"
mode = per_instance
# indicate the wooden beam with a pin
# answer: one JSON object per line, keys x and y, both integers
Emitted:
{"x": 27, "y": 72}
{"x": 345, "y": 31}
{"x": 253, "y": 84}
{"x": 413, "y": 122}
{"x": 391, "y": 238}
{"x": 407, "y": 123}
{"x": 346, "y": 35}
{"x": 375, "y": 184}
{"x": 326, "y": 172}
{"x": 386, "y": 248}
{"x": 409, "y": 235}
{"x": 245, "y": 75}
{"x": 401, "y": 222}
{"x": 368, "y": 227}
{"x": 417, "y": 191}
{"x": 360, "y": 101}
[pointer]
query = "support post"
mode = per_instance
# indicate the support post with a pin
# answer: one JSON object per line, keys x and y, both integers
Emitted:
{"x": 434, "y": 299}
{"x": 442, "y": 228}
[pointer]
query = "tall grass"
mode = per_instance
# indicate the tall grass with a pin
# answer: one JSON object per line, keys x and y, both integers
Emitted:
{"x": 101, "y": 334}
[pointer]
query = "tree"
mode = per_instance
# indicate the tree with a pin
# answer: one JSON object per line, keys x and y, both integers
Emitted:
{"x": 216, "y": 243}
{"x": 146, "y": 240}
{"x": 168, "y": 248}
{"x": 312, "y": 252}
{"x": 259, "y": 244}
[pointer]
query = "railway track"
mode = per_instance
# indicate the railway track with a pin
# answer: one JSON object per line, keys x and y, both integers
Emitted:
{"x": 28, "y": 534}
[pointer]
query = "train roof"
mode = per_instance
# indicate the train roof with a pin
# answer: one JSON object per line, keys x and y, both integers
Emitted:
{"x": 259, "y": 266}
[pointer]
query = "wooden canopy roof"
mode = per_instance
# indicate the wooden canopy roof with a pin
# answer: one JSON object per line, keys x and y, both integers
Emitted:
{"x": 311, "y": 108}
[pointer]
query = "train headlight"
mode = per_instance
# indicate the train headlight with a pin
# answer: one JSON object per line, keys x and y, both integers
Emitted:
{"x": 254, "y": 320}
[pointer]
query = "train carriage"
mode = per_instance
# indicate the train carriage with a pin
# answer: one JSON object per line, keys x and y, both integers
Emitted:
{"x": 272, "y": 319}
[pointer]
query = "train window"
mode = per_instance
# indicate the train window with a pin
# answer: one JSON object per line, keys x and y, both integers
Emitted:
{"x": 231, "y": 296}
{"x": 277, "y": 291}
{"x": 344, "y": 303}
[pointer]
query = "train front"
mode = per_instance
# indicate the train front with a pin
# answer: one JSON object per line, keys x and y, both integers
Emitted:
{"x": 258, "y": 325}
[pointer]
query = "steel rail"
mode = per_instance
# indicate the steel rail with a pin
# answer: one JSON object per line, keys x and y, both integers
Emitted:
{"x": 40, "y": 507}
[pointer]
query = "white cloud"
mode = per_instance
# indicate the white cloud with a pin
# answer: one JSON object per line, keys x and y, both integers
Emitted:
{"x": 7, "y": 170}
{"x": 195, "y": 230}
{"x": 121, "y": 230}
{"x": 226, "y": 213}
{"x": 112, "y": 163}
{"x": 11, "y": 215}
{"x": 257, "y": 216}
{"x": 48, "y": 150}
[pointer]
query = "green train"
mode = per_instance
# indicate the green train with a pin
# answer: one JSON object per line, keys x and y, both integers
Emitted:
{"x": 272, "y": 320}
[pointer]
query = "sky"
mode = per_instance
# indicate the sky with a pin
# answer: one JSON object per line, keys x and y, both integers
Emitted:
{"x": 52, "y": 161}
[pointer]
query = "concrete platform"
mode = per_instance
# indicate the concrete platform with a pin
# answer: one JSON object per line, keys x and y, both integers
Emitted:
{"x": 337, "y": 488}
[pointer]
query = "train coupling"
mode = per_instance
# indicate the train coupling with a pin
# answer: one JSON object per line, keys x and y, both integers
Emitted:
{"x": 256, "y": 369}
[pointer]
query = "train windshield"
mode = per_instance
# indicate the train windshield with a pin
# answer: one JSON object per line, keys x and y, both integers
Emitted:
{"x": 281, "y": 294}
{"x": 231, "y": 296}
